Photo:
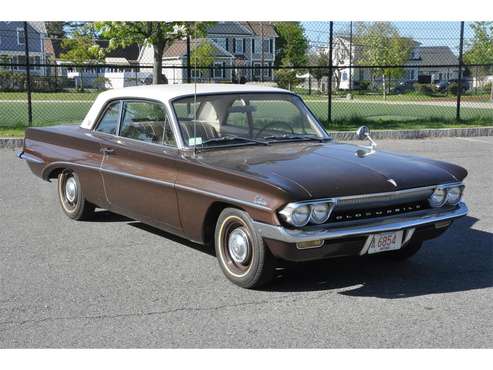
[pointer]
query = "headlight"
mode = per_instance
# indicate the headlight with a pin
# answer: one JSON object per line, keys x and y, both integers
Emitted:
{"x": 296, "y": 215}
{"x": 320, "y": 213}
{"x": 454, "y": 194}
{"x": 438, "y": 198}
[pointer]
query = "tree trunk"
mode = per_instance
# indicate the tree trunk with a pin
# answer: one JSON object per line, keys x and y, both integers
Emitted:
{"x": 384, "y": 89}
{"x": 491, "y": 91}
{"x": 157, "y": 70}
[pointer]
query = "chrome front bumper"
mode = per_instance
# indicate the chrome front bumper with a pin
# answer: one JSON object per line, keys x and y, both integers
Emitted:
{"x": 402, "y": 222}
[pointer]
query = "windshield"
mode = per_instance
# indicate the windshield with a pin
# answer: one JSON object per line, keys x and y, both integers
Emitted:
{"x": 244, "y": 119}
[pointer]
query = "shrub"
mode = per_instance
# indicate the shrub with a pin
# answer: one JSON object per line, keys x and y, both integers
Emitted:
{"x": 364, "y": 85}
{"x": 453, "y": 88}
{"x": 425, "y": 89}
{"x": 487, "y": 87}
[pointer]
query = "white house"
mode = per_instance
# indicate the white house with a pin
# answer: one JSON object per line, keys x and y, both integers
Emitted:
{"x": 426, "y": 64}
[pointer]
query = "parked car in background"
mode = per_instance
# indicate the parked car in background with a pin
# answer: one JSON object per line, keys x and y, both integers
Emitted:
{"x": 403, "y": 87}
{"x": 441, "y": 86}
{"x": 248, "y": 170}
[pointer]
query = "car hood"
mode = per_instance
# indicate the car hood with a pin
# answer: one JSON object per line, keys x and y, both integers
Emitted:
{"x": 333, "y": 169}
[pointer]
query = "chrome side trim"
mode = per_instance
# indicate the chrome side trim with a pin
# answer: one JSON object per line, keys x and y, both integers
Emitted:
{"x": 29, "y": 157}
{"x": 390, "y": 224}
{"x": 222, "y": 197}
{"x": 160, "y": 182}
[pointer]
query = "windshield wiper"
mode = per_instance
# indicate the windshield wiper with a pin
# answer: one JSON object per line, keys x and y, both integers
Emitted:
{"x": 294, "y": 137}
{"x": 234, "y": 138}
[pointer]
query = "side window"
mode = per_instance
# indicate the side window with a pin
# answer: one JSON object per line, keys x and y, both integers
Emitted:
{"x": 109, "y": 121}
{"x": 146, "y": 121}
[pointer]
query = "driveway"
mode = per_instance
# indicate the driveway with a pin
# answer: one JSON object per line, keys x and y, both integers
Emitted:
{"x": 119, "y": 283}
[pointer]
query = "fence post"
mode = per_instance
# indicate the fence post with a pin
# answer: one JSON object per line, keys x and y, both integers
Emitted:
{"x": 461, "y": 63}
{"x": 28, "y": 77}
{"x": 189, "y": 72}
{"x": 329, "y": 78}
{"x": 350, "y": 57}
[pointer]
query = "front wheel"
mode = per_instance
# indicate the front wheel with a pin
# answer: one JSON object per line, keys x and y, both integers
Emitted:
{"x": 240, "y": 251}
{"x": 71, "y": 197}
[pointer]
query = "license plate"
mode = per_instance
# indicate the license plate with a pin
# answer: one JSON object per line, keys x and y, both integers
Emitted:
{"x": 386, "y": 242}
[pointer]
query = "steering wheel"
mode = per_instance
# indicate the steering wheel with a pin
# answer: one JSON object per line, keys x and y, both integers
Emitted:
{"x": 281, "y": 123}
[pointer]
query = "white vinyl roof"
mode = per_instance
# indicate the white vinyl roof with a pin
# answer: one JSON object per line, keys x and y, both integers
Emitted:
{"x": 165, "y": 93}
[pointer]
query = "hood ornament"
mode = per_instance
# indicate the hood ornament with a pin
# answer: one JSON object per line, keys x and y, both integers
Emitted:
{"x": 363, "y": 133}
{"x": 392, "y": 181}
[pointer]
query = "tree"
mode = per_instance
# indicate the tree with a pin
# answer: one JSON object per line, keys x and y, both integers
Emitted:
{"x": 202, "y": 55}
{"x": 55, "y": 29}
{"x": 81, "y": 48}
{"x": 480, "y": 49}
{"x": 382, "y": 46}
{"x": 155, "y": 34}
{"x": 292, "y": 48}
{"x": 292, "y": 44}
{"x": 319, "y": 59}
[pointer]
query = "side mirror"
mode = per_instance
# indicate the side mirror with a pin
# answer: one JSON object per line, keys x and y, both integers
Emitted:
{"x": 363, "y": 132}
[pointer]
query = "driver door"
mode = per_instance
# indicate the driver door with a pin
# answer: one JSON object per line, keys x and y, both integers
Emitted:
{"x": 139, "y": 166}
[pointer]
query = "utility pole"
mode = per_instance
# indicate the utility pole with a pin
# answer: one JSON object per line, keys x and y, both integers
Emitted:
{"x": 350, "y": 57}
{"x": 189, "y": 72}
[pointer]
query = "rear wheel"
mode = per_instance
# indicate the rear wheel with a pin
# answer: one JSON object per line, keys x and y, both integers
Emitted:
{"x": 240, "y": 251}
{"x": 71, "y": 197}
{"x": 409, "y": 250}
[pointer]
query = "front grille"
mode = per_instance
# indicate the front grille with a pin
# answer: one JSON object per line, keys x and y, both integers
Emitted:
{"x": 375, "y": 212}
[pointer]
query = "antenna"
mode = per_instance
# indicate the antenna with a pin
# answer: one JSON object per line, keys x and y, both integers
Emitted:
{"x": 195, "y": 92}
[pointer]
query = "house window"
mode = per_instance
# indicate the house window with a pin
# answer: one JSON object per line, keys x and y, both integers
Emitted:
{"x": 238, "y": 46}
{"x": 257, "y": 45}
{"x": 268, "y": 71}
{"x": 344, "y": 76}
{"x": 20, "y": 36}
{"x": 411, "y": 74}
{"x": 256, "y": 69}
{"x": 218, "y": 71}
{"x": 266, "y": 46}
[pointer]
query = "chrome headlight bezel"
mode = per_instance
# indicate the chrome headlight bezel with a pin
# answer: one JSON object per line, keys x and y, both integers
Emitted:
{"x": 288, "y": 211}
{"x": 441, "y": 202}
{"x": 447, "y": 189}
{"x": 460, "y": 190}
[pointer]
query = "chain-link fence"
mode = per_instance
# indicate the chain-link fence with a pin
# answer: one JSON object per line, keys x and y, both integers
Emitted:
{"x": 385, "y": 74}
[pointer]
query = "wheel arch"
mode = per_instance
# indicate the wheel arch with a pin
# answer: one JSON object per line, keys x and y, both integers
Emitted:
{"x": 210, "y": 220}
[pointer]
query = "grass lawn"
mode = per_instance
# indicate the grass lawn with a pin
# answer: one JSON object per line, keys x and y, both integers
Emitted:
{"x": 91, "y": 95}
{"x": 63, "y": 108}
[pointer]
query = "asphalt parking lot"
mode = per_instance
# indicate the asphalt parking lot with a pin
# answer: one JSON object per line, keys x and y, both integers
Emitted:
{"x": 119, "y": 283}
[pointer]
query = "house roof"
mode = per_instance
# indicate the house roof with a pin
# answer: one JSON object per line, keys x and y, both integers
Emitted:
{"x": 261, "y": 28}
{"x": 165, "y": 93}
{"x": 179, "y": 49}
{"x": 39, "y": 27}
{"x": 231, "y": 28}
{"x": 439, "y": 55}
{"x": 247, "y": 28}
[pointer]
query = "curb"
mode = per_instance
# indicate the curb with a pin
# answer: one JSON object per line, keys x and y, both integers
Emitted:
{"x": 13, "y": 143}
{"x": 417, "y": 134}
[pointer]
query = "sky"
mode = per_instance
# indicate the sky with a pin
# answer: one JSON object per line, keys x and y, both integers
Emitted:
{"x": 427, "y": 33}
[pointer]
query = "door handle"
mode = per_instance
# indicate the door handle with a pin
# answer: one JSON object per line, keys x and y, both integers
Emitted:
{"x": 107, "y": 150}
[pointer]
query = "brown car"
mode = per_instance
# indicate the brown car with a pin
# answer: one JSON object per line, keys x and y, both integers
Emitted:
{"x": 247, "y": 169}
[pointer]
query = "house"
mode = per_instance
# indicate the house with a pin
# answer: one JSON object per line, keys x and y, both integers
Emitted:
{"x": 120, "y": 69}
{"x": 240, "y": 49}
{"x": 12, "y": 46}
{"x": 426, "y": 64}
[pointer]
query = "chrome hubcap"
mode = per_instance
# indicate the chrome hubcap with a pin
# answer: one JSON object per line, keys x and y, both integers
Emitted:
{"x": 70, "y": 189}
{"x": 238, "y": 245}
